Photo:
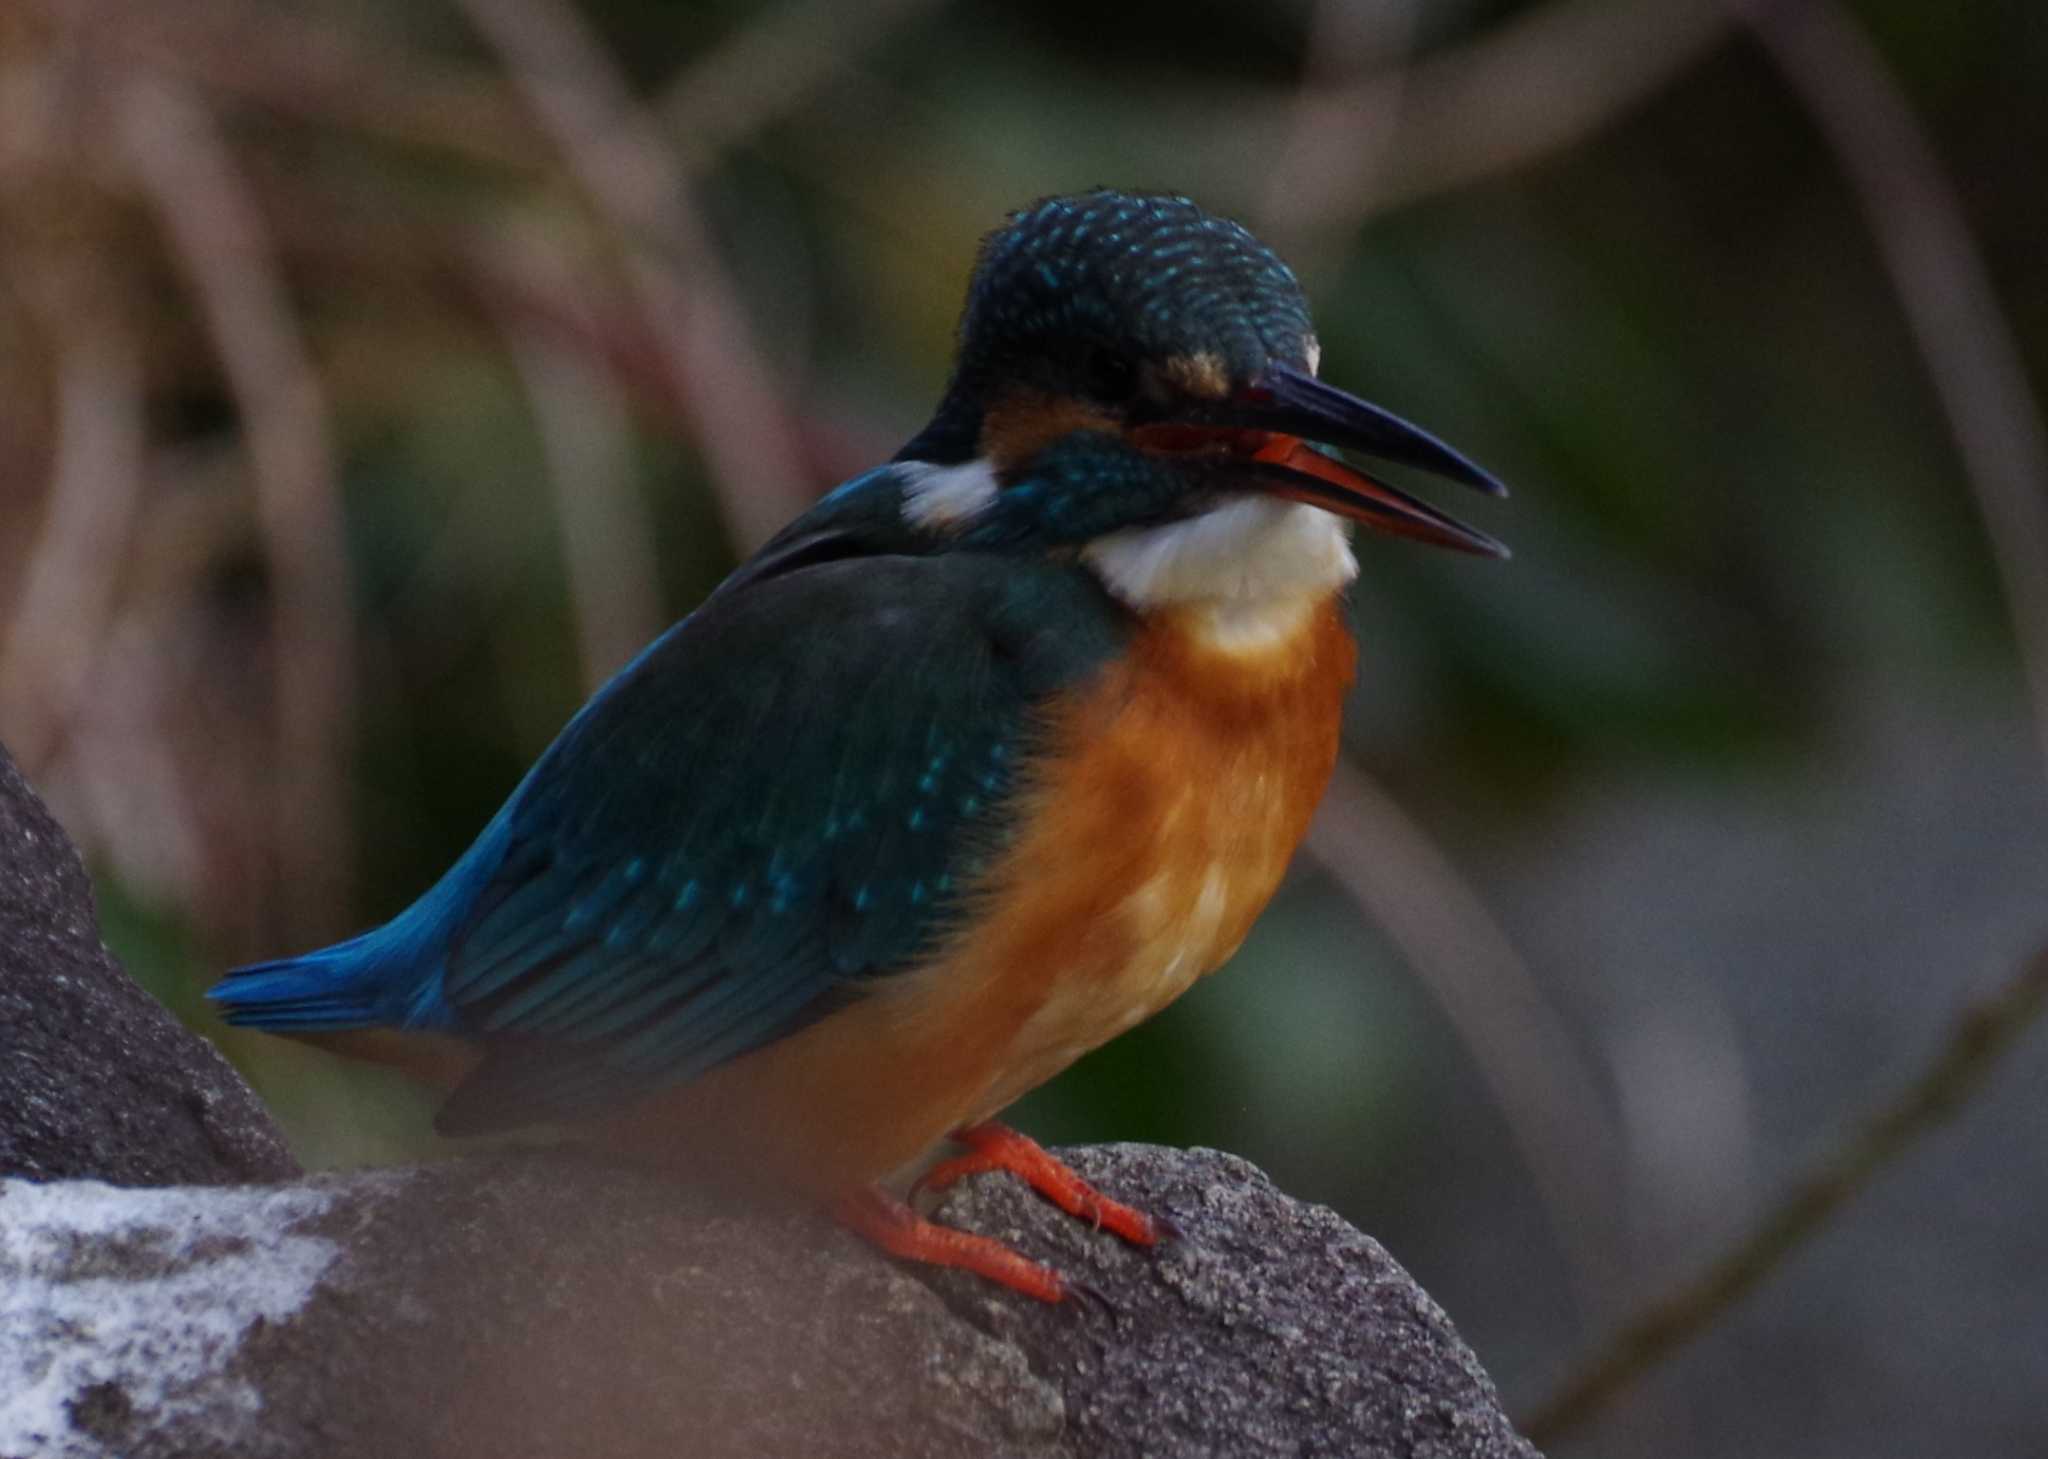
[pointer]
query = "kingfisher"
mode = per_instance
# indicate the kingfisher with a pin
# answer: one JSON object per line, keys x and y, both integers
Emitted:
{"x": 985, "y": 758}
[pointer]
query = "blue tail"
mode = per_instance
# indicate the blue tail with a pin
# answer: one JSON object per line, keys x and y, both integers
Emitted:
{"x": 337, "y": 987}
{"x": 388, "y": 977}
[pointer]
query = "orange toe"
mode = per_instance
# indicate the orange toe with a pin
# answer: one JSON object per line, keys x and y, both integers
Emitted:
{"x": 900, "y": 1231}
{"x": 998, "y": 1147}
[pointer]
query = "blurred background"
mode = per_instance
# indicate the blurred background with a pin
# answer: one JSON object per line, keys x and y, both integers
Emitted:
{"x": 376, "y": 377}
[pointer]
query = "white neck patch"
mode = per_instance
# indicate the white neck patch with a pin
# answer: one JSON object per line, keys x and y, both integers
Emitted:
{"x": 946, "y": 497}
{"x": 1252, "y": 553}
{"x": 1254, "y": 567}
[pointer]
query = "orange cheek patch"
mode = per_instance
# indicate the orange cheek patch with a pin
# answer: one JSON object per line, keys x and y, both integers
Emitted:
{"x": 1024, "y": 422}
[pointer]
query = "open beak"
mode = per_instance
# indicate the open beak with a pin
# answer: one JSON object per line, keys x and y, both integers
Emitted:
{"x": 1264, "y": 435}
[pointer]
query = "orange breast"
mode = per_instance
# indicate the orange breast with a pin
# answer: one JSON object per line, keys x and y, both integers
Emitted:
{"x": 1174, "y": 796}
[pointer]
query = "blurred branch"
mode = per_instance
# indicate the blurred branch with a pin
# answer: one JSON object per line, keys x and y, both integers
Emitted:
{"x": 300, "y": 64}
{"x": 69, "y": 586}
{"x": 1964, "y": 338}
{"x": 1332, "y": 148}
{"x": 1984, "y": 1035}
{"x": 415, "y": 253}
{"x": 616, "y": 151}
{"x": 1541, "y": 1084}
{"x": 297, "y": 64}
{"x": 770, "y": 67}
{"x": 216, "y": 233}
{"x": 1974, "y": 363}
{"x": 586, "y": 436}
{"x": 602, "y": 326}
{"x": 1532, "y": 86}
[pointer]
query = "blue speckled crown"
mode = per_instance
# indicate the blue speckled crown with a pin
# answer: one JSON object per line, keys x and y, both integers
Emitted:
{"x": 1153, "y": 272}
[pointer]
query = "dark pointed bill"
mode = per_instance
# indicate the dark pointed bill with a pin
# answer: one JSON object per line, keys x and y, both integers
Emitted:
{"x": 1261, "y": 436}
{"x": 1296, "y": 403}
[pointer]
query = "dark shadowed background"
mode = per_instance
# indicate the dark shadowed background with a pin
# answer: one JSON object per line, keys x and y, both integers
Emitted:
{"x": 375, "y": 378}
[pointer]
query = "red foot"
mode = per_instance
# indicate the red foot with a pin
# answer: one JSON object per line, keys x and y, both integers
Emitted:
{"x": 998, "y": 1147}
{"x": 900, "y": 1231}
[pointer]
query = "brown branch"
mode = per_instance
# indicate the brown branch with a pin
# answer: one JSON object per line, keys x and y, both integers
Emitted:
{"x": 1965, "y": 341}
{"x": 1540, "y": 1082}
{"x": 1981, "y": 1038}
{"x": 620, "y": 158}
{"x": 68, "y": 587}
{"x": 1334, "y": 148}
{"x": 216, "y": 232}
{"x": 310, "y": 68}
{"x": 1531, "y": 87}
{"x": 67, "y": 282}
{"x": 586, "y": 437}
{"x": 1974, "y": 364}
{"x": 769, "y": 68}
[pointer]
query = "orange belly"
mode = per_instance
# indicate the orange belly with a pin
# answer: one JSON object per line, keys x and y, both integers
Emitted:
{"x": 1174, "y": 795}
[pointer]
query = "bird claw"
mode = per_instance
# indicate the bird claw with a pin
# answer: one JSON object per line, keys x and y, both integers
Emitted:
{"x": 1090, "y": 1298}
{"x": 1167, "y": 1228}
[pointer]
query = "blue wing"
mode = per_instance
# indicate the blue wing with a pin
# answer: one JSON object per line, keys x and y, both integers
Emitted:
{"x": 779, "y": 799}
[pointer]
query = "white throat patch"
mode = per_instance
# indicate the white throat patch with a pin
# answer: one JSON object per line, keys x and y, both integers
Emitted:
{"x": 1254, "y": 567}
{"x": 1252, "y": 552}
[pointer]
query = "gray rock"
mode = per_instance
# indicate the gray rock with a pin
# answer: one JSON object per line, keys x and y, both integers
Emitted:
{"x": 1272, "y": 1327}
{"x": 553, "y": 1305}
{"x": 96, "y": 1079}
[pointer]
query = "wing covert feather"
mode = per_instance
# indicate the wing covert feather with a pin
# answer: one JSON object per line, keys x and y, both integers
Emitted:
{"x": 779, "y": 799}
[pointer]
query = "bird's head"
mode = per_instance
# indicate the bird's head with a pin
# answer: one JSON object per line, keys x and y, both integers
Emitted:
{"x": 1137, "y": 379}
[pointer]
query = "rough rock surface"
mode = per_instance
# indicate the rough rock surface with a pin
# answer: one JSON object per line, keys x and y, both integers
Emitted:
{"x": 1272, "y": 1327}
{"x": 550, "y": 1305}
{"x": 96, "y": 1079}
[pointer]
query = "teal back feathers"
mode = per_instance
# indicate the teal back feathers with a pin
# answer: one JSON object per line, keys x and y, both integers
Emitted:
{"x": 782, "y": 797}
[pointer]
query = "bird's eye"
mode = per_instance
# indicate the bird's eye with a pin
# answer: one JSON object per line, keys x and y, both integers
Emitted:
{"x": 1111, "y": 376}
